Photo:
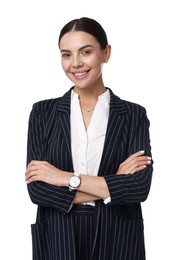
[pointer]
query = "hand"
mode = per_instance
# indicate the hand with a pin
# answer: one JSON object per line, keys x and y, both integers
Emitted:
{"x": 44, "y": 171}
{"x": 134, "y": 163}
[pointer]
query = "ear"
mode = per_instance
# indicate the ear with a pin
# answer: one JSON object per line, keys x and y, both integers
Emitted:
{"x": 107, "y": 53}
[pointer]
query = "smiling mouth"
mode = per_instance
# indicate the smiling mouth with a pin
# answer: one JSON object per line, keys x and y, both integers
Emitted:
{"x": 80, "y": 74}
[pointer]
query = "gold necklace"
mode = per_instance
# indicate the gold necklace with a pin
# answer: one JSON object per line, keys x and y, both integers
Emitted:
{"x": 87, "y": 110}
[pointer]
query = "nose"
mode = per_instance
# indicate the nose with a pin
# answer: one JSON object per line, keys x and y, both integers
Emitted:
{"x": 77, "y": 62}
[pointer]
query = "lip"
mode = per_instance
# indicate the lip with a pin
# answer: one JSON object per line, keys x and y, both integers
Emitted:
{"x": 80, "y": 74}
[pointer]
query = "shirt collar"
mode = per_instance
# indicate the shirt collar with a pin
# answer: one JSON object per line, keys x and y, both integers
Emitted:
{"x": 105, "y": 97}
{"x": 74, "y": 96}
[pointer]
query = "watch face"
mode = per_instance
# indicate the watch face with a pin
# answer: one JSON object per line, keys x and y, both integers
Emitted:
{"x": 74, "y": 181}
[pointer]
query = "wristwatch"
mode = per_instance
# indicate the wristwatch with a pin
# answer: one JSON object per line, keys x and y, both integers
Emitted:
{"x": 74, "y": 181}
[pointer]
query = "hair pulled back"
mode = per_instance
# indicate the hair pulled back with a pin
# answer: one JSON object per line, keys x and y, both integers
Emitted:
{"x": 87, "y": 25}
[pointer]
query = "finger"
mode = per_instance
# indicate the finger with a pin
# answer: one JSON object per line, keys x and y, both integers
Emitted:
{"x": 138, "y": 160}
{"x": 30, "y": 174}
{"x": 132, "y": 165}
{"x": 139, "y": 168}
{"x": 36, "y": 162}
{"x": 133, "y": 156}
{"x": 37, "y": 165}
{"x": 33, "y": 179}
{"x": 142, "y": 159}
{"x": 139, "y": 153}
{"x": 34, "y": 176}
{"x": 32, "y": 168}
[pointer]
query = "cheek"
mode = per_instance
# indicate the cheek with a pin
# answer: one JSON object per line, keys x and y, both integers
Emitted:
{"x": 95, "y": 62}
{"x": 65, "y": 66}
{"x": 97, "y": 59}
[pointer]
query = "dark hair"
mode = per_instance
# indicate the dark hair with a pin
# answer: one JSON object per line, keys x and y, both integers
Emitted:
{"x": 87, "y": 25}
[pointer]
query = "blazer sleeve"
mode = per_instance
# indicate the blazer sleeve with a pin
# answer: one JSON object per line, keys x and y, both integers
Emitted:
{"x": 41, "y": 193}
{"x": 133, "y": 188}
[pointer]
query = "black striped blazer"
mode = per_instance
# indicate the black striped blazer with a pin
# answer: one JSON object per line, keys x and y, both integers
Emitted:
{"x": 119, "y": 231}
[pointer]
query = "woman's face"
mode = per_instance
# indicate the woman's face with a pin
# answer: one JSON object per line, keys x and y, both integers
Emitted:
{"x": 82, "y": 58}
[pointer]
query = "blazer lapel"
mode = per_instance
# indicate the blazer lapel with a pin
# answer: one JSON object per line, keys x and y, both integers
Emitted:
{"x": 114, "y": 133}
{"x": 63, "y": 108}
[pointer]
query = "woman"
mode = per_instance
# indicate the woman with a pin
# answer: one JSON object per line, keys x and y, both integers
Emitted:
{"x": 88, "y": 160}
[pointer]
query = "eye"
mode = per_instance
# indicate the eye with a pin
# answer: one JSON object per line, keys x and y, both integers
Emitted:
{"x": 86, "y": 52}
{"x": 66, "y": 55}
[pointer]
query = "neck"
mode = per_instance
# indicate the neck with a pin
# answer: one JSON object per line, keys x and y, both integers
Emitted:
{"x": 88, "y": 97}
{"x": 89, "y": 94}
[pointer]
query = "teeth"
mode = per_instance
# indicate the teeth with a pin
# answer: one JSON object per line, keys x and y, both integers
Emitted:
{"x": 80, "y": 74}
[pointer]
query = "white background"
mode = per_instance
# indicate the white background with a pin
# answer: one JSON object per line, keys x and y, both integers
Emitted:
{"x": 145, "y": 67}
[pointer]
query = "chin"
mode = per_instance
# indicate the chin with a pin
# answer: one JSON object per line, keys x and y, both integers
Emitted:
{"x": 81, "y": 85}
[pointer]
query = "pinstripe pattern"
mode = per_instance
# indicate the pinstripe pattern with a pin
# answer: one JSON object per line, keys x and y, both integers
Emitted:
{"x": 115, "y": 230}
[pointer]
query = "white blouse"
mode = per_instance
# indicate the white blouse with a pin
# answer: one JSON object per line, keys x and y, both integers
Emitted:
{"x": 87, "y": 145}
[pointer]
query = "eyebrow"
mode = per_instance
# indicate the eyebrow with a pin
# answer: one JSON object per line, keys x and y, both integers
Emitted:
{"x": 83, "y": 47}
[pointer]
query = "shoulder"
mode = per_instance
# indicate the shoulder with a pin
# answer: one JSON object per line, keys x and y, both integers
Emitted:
{"x": 48, "y": 106}
{"x": 125, "y": 105}
{"x": 45, "y": 104}
{"x": 44, "y": 109}
{"x": 133, "y": 107}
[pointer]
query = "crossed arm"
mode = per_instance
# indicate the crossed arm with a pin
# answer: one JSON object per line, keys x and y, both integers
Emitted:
{"x": 45, "y": 172}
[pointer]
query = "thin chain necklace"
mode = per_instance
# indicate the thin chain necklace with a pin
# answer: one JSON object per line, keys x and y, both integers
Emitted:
{"x": 87, "y": 110}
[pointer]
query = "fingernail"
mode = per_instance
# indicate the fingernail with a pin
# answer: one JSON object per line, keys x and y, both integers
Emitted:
{"x": 142, "y": 152}
{"x": 149, "y": 158}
